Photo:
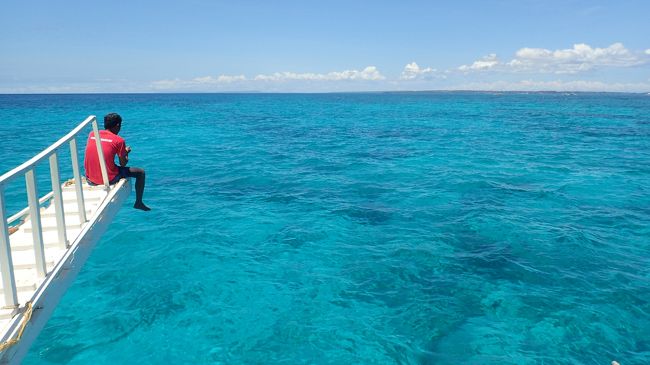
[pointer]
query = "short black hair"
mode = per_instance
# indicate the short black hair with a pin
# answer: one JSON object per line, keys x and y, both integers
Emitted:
{"x": 111, "y": 120}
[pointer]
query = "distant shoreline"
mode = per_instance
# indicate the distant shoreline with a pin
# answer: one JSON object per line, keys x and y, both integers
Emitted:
{"x": 253, "y": 92}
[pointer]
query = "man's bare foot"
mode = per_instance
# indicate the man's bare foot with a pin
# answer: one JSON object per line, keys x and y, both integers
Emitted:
{"x": 141, "y": 206}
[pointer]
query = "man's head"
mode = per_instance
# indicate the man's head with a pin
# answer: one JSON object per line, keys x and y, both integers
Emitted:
{"x": 113, "y": 122}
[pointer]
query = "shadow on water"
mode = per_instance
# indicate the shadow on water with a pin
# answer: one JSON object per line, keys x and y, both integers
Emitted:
{"x": 366, "y": 214}
{"x": 296, "y": 236}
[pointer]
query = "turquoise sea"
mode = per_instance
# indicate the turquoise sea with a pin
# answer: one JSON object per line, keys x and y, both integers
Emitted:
{"x": 379, "y": 228}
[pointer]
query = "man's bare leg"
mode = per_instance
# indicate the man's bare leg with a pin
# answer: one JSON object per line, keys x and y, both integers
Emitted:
{"x": 138, "y": 173}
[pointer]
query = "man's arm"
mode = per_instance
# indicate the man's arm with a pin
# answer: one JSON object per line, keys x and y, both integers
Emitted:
{"x": 125, "y": 159}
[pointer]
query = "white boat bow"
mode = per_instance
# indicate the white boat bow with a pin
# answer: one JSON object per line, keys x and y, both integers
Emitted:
{"x": 43, "y": 247}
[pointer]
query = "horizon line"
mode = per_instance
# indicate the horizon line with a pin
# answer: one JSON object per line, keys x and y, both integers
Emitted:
{"x": 335, "y": 92}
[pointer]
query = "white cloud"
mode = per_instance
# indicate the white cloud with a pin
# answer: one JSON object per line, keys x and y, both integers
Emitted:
{"x": 413, "y": 71}
{"x": 558, "y": 85}
{"x": 166, "y": 84}
{"x": 485, "y": 63}
{"x": 197, "y": 82}
{"x": 581, "y": 57}
{"x": 264, "y": 82}
{"x": 369, "y": 73}
{"x": 221, "y": 79}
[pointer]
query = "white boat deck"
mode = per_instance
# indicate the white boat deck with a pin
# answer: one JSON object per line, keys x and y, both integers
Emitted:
{"x": 22, "y": 243}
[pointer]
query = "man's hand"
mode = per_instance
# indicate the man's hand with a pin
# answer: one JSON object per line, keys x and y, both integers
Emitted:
{"x": 125, "y": 159}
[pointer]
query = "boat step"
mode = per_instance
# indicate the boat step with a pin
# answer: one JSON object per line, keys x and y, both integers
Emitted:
{"x": 49, "y": 263}
{"x": 68, "y": 209}
{"x": 87, "y": 193}
{"x": 22, "y": 287}
{"x": 23, "y": 240}
{"x": 26, "y": 283}
{"x": 53, "y": 228}
{"x": 88, "y": 200}
{"x": 49, "y": 223}
{"x": 86, "y": 188}
{"x": 24, "y": 259}
{"x": 27, "y": 244}
{"x": 7, "y": 313}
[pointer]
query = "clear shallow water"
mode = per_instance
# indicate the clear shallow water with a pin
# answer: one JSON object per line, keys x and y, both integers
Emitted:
{"x": 432, "y": 228}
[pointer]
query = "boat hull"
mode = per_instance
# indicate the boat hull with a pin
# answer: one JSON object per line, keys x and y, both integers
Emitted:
{"x": 50, "y": 292}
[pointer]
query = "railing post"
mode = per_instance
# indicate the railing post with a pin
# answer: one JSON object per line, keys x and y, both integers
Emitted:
{"x": 58, "y": 200}
{"x": 6, "y": 262}
{"x": 100, "y": 153}
{"x": 35, "y": 215}
{"x": 77, "y": 181}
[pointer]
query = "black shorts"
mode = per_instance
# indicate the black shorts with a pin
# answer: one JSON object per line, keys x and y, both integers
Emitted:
{"x": 123, "y": 172}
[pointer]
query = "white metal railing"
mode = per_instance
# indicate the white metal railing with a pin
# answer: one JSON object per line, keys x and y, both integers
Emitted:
{"x": 33, "y": 210}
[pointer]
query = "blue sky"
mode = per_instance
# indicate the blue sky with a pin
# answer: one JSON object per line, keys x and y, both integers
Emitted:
{"x": 321, "y": 46}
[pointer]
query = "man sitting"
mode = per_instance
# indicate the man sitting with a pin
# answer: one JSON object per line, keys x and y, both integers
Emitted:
{"x": 113, "y": 145}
